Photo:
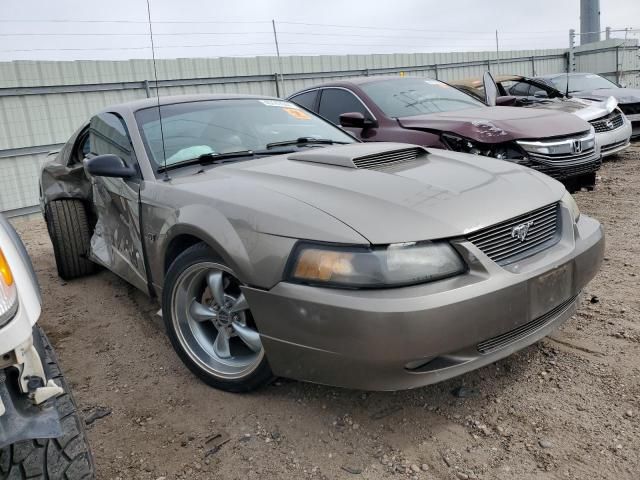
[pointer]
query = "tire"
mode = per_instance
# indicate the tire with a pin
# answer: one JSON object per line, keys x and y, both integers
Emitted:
{"x": 64, "y": 458}
{"x": 70, "y": 234}
{"x": 257, "y": 373}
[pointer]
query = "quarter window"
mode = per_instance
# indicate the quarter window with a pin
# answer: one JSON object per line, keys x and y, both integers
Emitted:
{"x": 306, "y": 100}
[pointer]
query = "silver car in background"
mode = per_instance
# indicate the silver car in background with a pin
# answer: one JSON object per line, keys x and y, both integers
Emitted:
{"x": 612, "y": 128}
{"x": 279, "y": 245}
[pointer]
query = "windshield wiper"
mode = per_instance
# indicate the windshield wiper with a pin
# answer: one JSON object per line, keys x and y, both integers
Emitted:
{"x": 206, "y": 159}
{"x": 304, "y": 141}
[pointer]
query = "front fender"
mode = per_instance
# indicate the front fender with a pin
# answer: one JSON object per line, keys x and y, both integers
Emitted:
{"x": 256, "y": 258}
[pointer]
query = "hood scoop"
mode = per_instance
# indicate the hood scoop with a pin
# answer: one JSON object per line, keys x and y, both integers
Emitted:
{"x": 370, "y": 156}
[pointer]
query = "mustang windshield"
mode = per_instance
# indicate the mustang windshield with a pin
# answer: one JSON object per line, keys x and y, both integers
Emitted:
{"x": 406, "y": 97}
{"x": 214, "y": 127}
{"x": 579, "y": 83}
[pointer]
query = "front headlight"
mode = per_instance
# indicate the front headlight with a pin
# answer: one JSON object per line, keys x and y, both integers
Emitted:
{"x": 571, "y": 204}
{"x": 501, "y": 151}
{"x": 378, "y": 267}
{"x": 8, "y": 293}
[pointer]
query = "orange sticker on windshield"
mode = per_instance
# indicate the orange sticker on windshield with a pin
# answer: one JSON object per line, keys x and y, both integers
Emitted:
{"x": 297, "y": 113}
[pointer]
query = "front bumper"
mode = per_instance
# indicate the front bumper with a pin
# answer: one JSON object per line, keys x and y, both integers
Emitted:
{"x": 22, "y": 417}
{"x": 408, "y": 337}
{"x": 634, "y": 118}
{"x": 566, "y": 172}
{"x": 614, "y": 141}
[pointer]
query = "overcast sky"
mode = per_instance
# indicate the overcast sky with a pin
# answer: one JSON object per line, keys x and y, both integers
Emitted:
{"x": 118, "y": 29}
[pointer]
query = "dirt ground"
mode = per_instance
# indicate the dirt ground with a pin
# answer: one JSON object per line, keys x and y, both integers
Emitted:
{"x": 568, "y": 407}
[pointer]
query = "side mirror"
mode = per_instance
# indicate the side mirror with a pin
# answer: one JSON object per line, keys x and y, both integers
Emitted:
{"x": 108, "y": 166}
{"x": 506, "y": 100}
{"x": 540, "y": 94}
{"x": 356, "y": 120}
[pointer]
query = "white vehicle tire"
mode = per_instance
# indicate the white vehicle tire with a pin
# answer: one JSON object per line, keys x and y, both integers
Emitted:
{"x": 67, "y": 457}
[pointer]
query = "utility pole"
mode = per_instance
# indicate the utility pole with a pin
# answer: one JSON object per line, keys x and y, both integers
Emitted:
{"x": 275, "y": 38}
{"x": 608, "y": 33}
{"x": 571, "y": 67}
{"x": 589, "y": 21}
{"x": 497, "y": 52}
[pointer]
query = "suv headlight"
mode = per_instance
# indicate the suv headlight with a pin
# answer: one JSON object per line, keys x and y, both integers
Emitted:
{"x": 8, "y": 293}
{"x": 570, "y": 203}
{"x": 377, "y": 267}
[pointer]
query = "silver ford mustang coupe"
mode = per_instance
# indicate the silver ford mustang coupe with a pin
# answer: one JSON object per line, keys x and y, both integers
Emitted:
{"x": 278, "y": 245}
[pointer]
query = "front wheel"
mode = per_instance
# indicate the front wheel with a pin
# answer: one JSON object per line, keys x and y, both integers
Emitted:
{"x": 210, "y": 324}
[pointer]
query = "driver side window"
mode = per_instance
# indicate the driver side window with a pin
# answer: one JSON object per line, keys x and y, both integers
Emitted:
{"x": 335, "y": 101}
{"x": 108, "y": 134}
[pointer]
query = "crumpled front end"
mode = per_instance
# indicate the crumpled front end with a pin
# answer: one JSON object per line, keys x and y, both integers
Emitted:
{"x": 25, "y": 384}
{"x": 59, "y": 180}
{"x": 25, "y": 410}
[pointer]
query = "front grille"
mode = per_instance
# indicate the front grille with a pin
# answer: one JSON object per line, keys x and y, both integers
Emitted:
{"x": 385, "y": 159}
{"x": 630, "y": 108}
{"x": 512, "y": 336}
{"x": 501, "y": 245}
{"x": 563, "y": 160}
{"x": 608, "y": 122}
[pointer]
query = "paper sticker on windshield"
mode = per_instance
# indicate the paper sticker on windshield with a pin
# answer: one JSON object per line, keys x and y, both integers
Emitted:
{"x": 277, "y": 103}
{"x": 297, "y": 113}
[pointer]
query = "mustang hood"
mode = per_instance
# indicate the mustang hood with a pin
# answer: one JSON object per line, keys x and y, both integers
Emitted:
{"x": 439, "y": 194}
{"x": 623, "y": 95}
{"x": 499, "y": 124}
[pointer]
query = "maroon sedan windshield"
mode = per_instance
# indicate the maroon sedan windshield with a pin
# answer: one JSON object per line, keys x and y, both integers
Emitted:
{"x": 406, "y": 97}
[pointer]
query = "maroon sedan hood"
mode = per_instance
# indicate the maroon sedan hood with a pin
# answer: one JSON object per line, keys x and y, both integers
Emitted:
{"x": 499, "y": 124}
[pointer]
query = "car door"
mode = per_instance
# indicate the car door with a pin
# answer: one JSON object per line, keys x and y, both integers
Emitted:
{"x": 116, "y": 242}
{"x": 336, "y": 101}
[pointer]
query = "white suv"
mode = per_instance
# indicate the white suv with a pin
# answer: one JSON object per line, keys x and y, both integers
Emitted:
{"x": 38, "y": 416}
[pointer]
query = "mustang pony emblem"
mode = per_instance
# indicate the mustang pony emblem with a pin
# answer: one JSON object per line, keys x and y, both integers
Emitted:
{"x": 520, "y": 231}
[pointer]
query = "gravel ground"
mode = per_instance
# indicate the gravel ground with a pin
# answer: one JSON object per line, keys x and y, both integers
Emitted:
{"x": 567, "y": 407}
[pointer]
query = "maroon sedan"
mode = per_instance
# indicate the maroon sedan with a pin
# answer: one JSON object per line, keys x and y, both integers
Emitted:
{"x": 428, "y": 112}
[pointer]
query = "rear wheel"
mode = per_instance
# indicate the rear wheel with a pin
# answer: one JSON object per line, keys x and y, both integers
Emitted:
{"x": 64, "y": 458}
{"x": 210, "y": 324}
{"x": 70, "y": 234}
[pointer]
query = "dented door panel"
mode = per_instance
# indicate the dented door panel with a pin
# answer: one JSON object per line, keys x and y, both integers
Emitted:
{"x": 116, "y": 242}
